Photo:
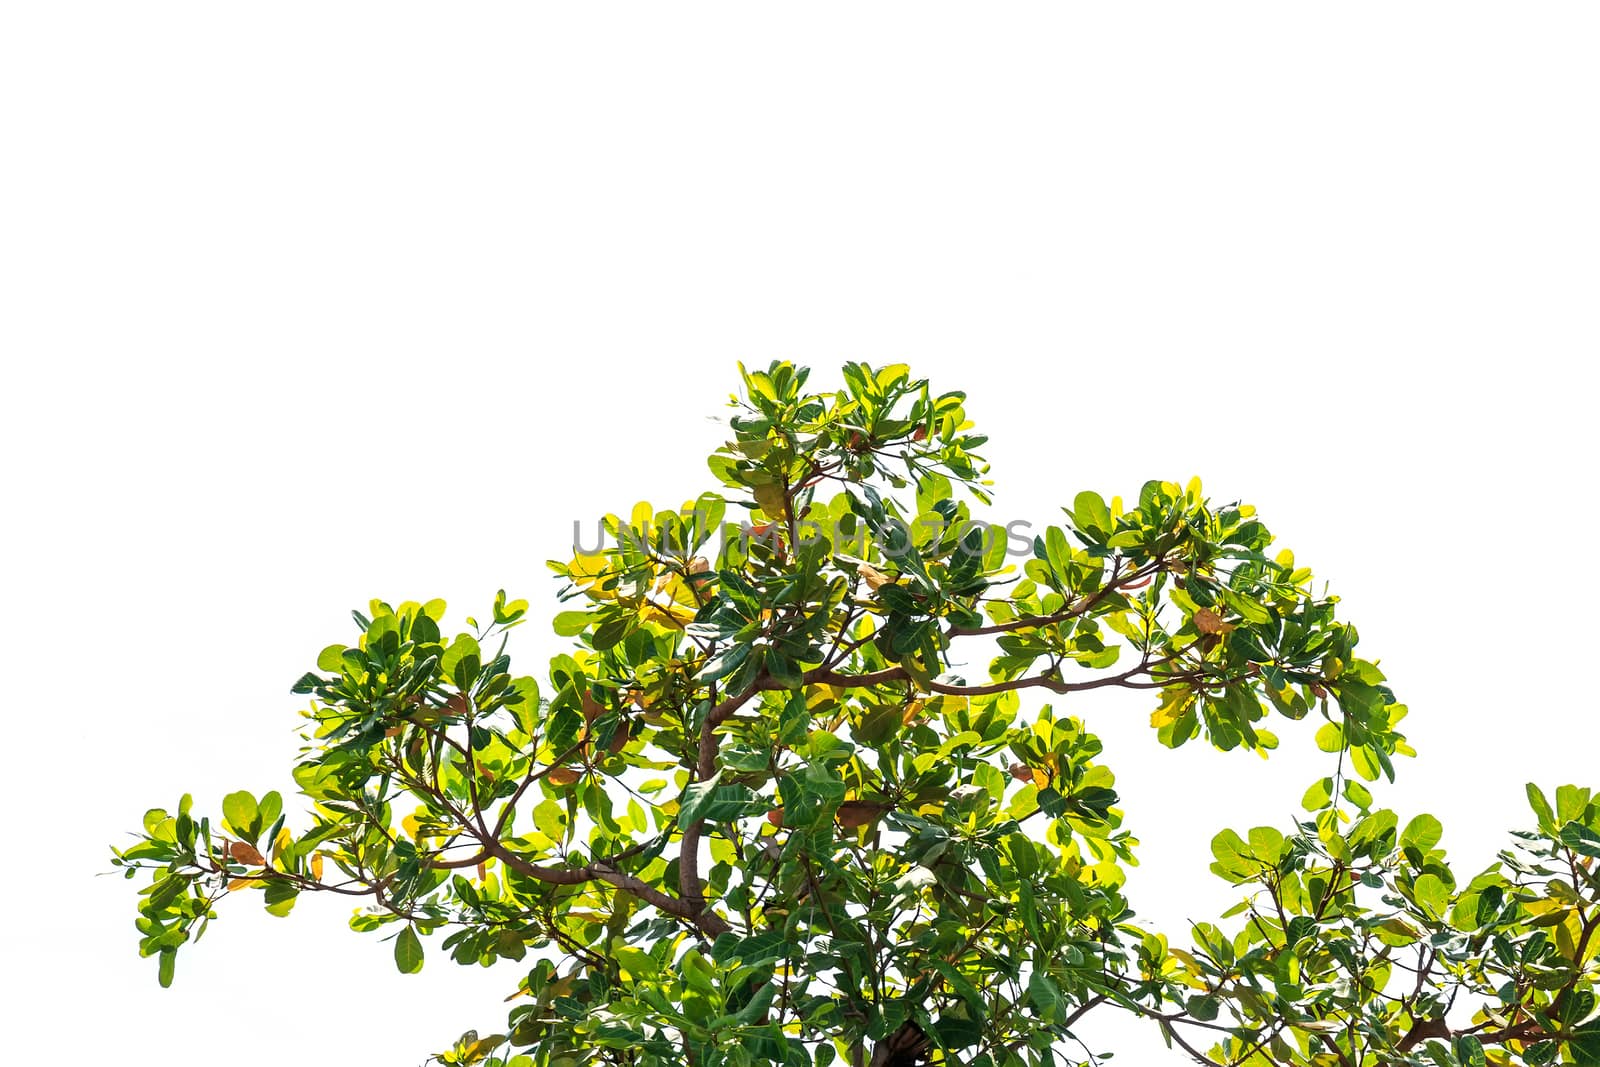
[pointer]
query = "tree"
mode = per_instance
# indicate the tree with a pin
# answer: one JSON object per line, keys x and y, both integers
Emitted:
{"x": 755, "y": 816}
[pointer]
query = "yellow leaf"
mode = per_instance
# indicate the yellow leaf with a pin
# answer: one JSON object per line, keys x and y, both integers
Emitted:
{"x": 585, "y": 916}
{"x": 588, "y": 572}
{"x": 822, "y": 694}
{"x": 1173, "y": 705}
{"x": 316, "y": 866}
{"x": 874, "y": 578}
{"x": 1190, "y": 964}
{"x": 773, "y": 502}
{"x": 669, "y": 603}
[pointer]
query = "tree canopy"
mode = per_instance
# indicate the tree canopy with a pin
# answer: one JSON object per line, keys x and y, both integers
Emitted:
{"x": 760, "y": 812}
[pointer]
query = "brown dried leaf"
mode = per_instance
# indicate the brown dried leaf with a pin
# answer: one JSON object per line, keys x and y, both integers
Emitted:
{"x": 874, "y": 578}
{"x": 562, "y": 776}
{"x": 854, "y": 813}
{"x": 244, "y": 852}
{"x": 1209, "y": 622}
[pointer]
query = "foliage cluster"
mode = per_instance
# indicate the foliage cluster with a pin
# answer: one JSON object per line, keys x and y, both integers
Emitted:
{"x": 759, "y": 814}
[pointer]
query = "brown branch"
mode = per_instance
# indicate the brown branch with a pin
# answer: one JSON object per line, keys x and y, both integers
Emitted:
{"x": 530, "y": 778}
{"x": 1072, "y": 611}
{"x": 601, "y": 872}
{"x": 1333, "y": 1046}
{"x": 1084, "y": 1009}
{"x": 691, "y": 888}
{"x": 1173, "y": 1035}
{"x": 1125, "y": 679}
{"x": 1421, "y": 1030}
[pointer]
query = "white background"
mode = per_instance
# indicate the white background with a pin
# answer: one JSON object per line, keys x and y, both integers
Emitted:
{"x": 305, "y": 304}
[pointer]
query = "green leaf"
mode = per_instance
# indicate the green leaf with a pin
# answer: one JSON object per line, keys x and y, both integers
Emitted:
{"x": 279, "y": 898}
{"x": 551, "y": 820}
{"x": 1541, "y": 808}
{"x": 724, "y": 663}
{"x": 1024, "y": 855}
{"x": 1028, "y": 908}
{"x": 1432, "y": 895}
{"x": 572, "y": 623}
{"x": 1570, "y": 803}
{"x": 1266, "y": 843}
{"x": 269, "y": 809}
{"x": 696, "y": 798}
{"x": 1365, "y": 762}
{"x": 1058, "y": 554}
{"x": 954, "y": 1031}
{"x": 1580, "y": 839}
{"x": 1469, "y": 1051}
{"x": 408, "y": 951}
{"x": 1089, "y": 511}
{"x": 1046, "y": 997}
{"x": 508, "y": 612}
{"x": 524, "y": 703}
{"x": 638, "y": 964}
{"x": 168, "y": 960}
{"x": 1421, "y": 833}
{"x": 1318, "y": 796}
{"x": 959, "y": 984}
{"x": 461, "y": 660}
{"x": 715, "y": 803}
{"x": 1585, "y": 1047}
{"x": 758, "y": 1005}
{"x": 1234, "y": 857}
{"x": 1247, "y": 608}
{"x": 242, "y": 815}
